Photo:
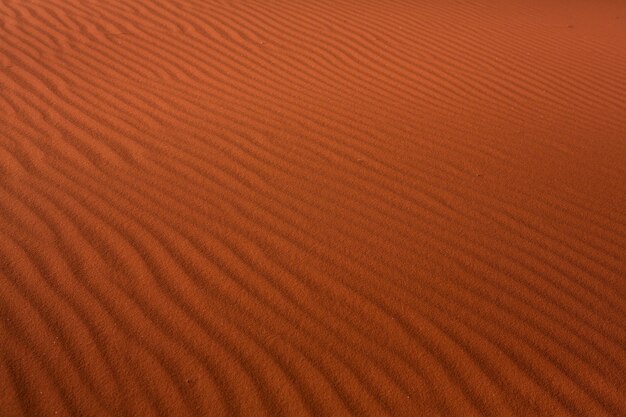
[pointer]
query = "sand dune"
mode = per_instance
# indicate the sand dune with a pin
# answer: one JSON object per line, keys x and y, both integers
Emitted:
{"x": 312, "y": 208}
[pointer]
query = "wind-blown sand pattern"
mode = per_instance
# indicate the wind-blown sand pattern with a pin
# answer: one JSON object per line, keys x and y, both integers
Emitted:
{"x": 312, "y": 208}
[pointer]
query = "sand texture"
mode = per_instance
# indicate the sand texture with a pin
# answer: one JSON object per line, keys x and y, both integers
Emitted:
{"x": 312, "y": 208}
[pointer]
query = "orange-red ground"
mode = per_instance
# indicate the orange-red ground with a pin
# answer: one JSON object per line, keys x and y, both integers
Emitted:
{"x": 312, "y": 208}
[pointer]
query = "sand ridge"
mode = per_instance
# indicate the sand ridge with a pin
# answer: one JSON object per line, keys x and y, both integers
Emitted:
{"x": 298, "y": 208}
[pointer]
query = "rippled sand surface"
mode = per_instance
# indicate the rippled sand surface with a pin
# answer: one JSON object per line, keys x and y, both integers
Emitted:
{"x": 312, "y": 208}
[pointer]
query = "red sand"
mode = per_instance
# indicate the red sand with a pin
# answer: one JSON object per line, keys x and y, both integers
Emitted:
{"x": 292, "y": 208}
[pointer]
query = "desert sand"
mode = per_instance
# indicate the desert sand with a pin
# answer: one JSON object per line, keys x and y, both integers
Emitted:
{"x": 312, "y": 208}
